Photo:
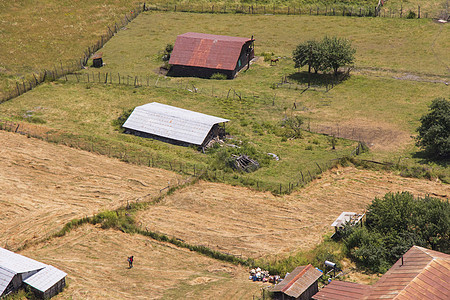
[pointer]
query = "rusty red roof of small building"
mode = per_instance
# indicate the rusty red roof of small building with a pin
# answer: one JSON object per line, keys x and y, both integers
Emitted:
{"x": 423, "y": 274}
{"x": 298, "y": 281}
{"x": 207, "y": 50}
{"x": 97, "y": 55}
{"x": 341, "y": 290}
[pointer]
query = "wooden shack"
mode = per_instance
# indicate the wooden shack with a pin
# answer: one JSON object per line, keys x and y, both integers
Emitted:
{"x": 17, "y": 271}
{"x": 97, "y": 60}
{"x": 202, "y": 55}
{"x": 300, "y": 284}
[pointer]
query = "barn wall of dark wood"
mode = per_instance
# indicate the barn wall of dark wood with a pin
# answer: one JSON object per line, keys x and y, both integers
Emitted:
{"x": 187, "y": 71}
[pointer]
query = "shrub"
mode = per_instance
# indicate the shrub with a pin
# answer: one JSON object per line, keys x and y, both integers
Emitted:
{"x": 117, "y": 123}
{"x": 267, "y": 56}
{"x": 411, "y": 15}
{"x": 218, "y": 76}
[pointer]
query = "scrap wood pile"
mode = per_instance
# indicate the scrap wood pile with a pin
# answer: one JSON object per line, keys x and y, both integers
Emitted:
{"x": 245, "y": 163}
{"x": 263, "y": 275}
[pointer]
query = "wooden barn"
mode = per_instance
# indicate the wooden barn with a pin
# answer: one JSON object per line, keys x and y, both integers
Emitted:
{"x": 174, "y": 125}
{"x": 202, "y": 55}
{"x": 300, "y": 284}
{"x": 17, "y": 271}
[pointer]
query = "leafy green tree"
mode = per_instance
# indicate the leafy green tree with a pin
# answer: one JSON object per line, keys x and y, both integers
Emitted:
{"x": 309, "y": 53}
{"x": 394, "y": 223}
{"x": 337, "y": 52}
{"x": 434, "y": 131}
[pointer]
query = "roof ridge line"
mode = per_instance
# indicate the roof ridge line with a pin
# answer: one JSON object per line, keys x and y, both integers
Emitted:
{"x": 287, "y": 286}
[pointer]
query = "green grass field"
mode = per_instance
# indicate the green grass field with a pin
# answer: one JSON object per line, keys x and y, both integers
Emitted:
{"x": 43, "y": 34}
{"x": 373, "y": 99}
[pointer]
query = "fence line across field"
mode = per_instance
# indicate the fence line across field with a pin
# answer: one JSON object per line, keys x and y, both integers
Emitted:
{"x": 255, "y": 9}
{"x": 126, "y": 153}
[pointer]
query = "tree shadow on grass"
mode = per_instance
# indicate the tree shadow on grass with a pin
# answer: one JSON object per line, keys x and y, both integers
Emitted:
{"x": 426, "y": 158}
{"x": 317, "y": 79}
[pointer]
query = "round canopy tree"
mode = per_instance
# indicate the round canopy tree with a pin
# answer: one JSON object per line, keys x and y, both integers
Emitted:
{"x": 434, "y": 132}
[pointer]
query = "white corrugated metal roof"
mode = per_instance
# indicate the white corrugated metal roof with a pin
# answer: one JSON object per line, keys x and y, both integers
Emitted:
{"x": 345, "y": 217}
{"x": 5, "y": 278}
{"x": 45, "y": 278}
{"x": 17, "y": 263}
{"x": 172, "y": 122}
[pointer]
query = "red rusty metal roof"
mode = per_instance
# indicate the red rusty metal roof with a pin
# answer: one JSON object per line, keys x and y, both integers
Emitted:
{"x": 207, "y": 50}
{"x": 341, "y": 290}
{"x": 97, "y": 55}
{"x": 298, "y": 281}
{"x": 423, "y": 274}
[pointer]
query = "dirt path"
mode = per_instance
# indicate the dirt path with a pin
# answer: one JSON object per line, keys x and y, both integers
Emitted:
{"x": 95, "y": 260}
{"x": 244, "y": 222}
{"x": 43, "y": 186}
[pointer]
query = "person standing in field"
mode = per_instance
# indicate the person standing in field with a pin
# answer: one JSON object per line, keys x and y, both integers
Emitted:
{"x": 130, "y": 262}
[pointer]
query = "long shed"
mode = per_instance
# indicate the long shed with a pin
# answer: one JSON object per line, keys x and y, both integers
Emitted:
{"x": 201, "y": 55}
{"x": 173, "y": 124}
{"x": 17, "y": 271}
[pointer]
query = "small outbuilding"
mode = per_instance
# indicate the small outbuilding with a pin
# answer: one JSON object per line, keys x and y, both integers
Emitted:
{"x": 202, "y": 55}
{"x": 17, "y": 271}
{"x": 174, "y": 125}
{"x": 300, "y": 284}
{"x": 346, "y": 217}
{"x": 97, "y": 60}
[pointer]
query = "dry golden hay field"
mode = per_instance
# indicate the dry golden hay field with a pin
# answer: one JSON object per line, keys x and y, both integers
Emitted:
{"x": 95, "y": 261}
{"x": 43, "y": 186}
{"x": 253, "y": 224}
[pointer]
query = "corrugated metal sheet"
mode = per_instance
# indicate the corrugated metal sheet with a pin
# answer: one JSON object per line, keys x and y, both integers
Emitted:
{"x": 298, "y": 281}
{"x": 18, "y": 263}
{"x": 423, "y": 274}
{"x": 347, "y": 217}
{"x": 5, "y": 278}
{"x": 207, "y": 50}
{"x": 172, "y": 122}
{"x": 45, "y": 278}
{"x": 341, "y": 290}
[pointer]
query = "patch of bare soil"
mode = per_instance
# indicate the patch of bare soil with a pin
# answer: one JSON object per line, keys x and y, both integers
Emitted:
{"x": 377, "y": 136}
{"x": 96, "y": 263}
{"x": 43, "y": 186}
{"x": 253, "y": 224}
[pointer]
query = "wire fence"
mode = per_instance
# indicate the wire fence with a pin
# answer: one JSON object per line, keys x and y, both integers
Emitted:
{"x": 36, "y": 78}
{"x": 277, "y": 9}
{"x": 133, "y": 154}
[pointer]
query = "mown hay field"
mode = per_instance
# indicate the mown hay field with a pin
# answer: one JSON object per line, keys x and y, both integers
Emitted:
{"x": 44, "y": 186}
{"x": 96, "y": 261}
{"x": 253, "y": 224}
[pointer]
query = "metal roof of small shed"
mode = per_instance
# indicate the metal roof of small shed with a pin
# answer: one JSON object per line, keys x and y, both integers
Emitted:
{"x": 347, "y": 217}
{"x": 207, "y": 50}
{"x": 298, "y": 281}
{"x": 172, "y": 122}
{"x": 5, "y": 278}
{"x": 17, "y": 263}
{"x": 45, "y": 278}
